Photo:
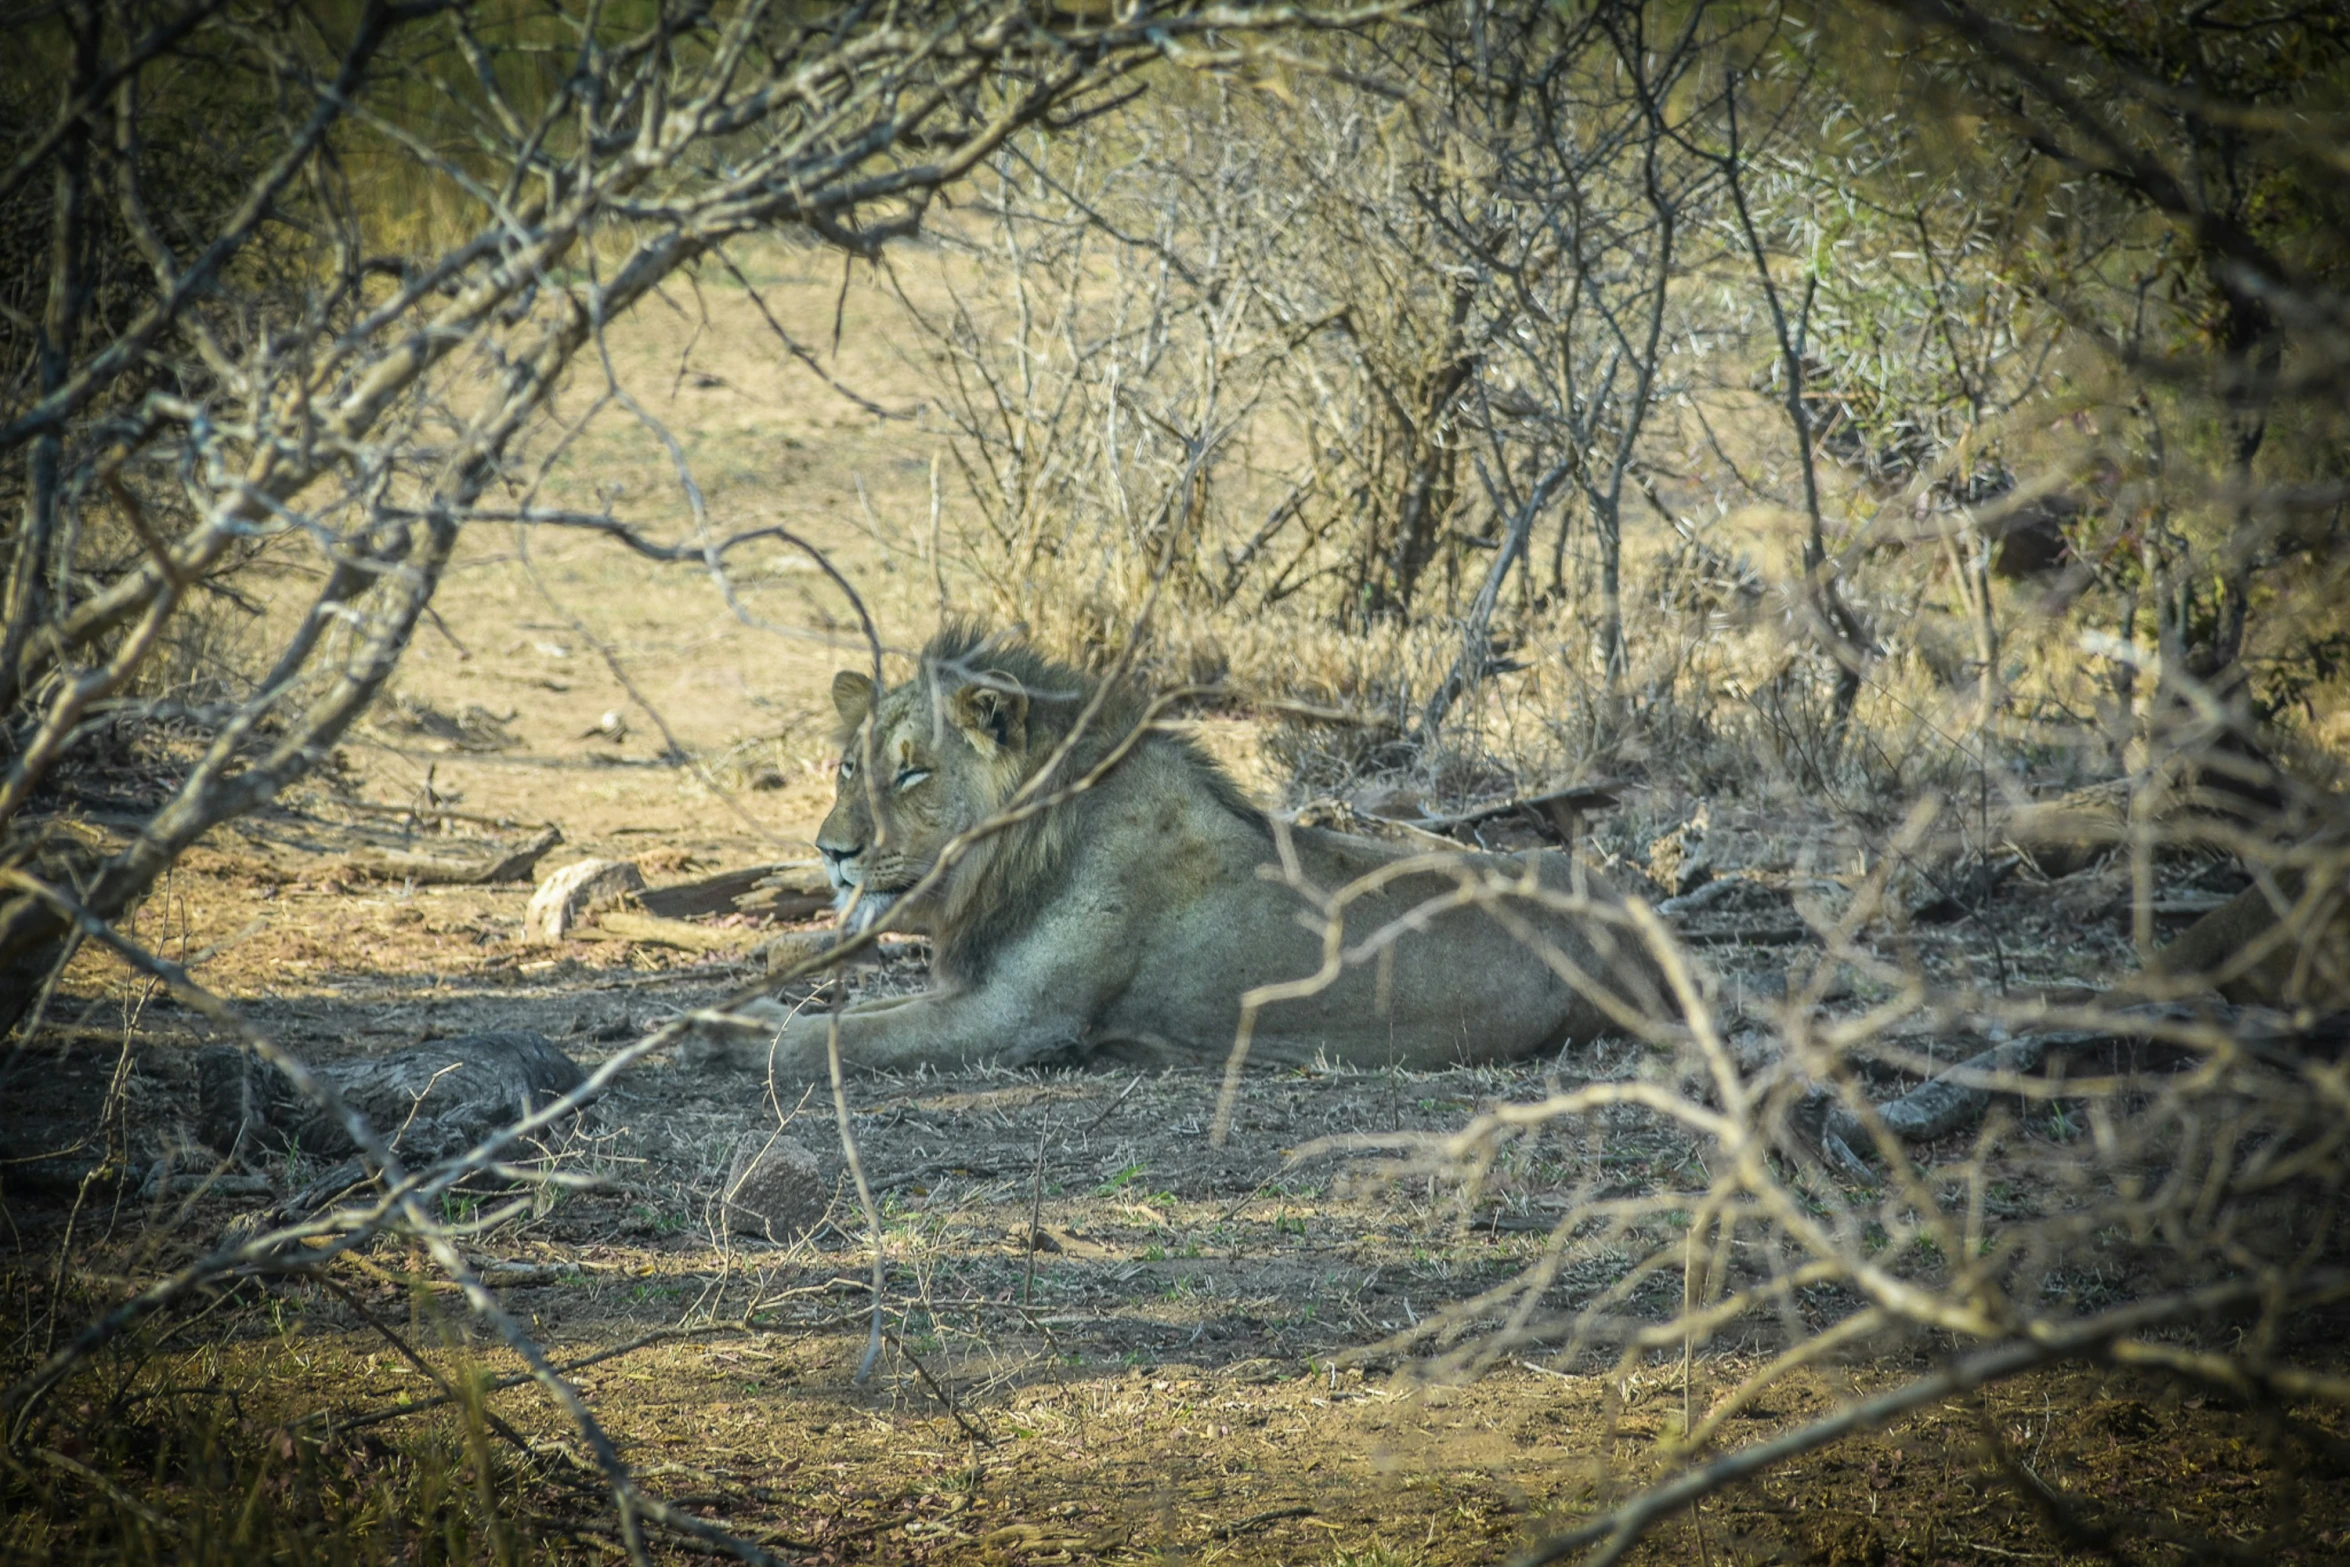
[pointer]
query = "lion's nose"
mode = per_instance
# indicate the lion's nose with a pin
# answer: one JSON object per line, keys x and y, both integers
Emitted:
{"x": 839, "y": 857}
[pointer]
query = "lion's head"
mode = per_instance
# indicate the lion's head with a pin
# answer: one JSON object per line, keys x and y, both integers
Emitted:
{"x": 928, "y": 760}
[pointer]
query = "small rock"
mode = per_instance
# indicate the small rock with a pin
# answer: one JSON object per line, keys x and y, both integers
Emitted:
{"x": 576, "y": 891}
{"x": 774, "y": 1190}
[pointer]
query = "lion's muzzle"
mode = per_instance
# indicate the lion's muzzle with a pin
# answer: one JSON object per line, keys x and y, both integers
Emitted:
{"x": 855, "y": 898}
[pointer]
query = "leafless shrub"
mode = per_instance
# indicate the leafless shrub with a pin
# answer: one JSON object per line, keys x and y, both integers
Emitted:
{"x": 312, "y": 278}
{"x": 1477, "y": 301}
{"x": 2145, "y": 1185}
{"x": 1420, "y": 330}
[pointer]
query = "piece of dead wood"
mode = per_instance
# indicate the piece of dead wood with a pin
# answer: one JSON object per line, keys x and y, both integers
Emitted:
{"x": 575, "y": 893}
{"x": 1254, "y": 1521}
{"x": 430, "y": 1100}
{"x": 456, "y": 862}
{"x": 1743, "y": 895}
{"x": 1962, "y": 887}
{"x": 1317, "y": 713}
{"x": 2074, "y": 831}
{"x": 630, "y": 925}
{"x": 789, "y": 891}
{"x": 1559, "y": 812}
{"x": 1751, "y": 936}
{"x": 1702, "y": 898}
{"x": 1339, "y": 816}
{"x": 1943, "y": 1104}
{"x": 1955, "y": 1099}
{"x": 714, "y": 894}
{"x": 498, "y": 1271}
{"x": 2179, "y": 908}
{"x": 427, "y": 813}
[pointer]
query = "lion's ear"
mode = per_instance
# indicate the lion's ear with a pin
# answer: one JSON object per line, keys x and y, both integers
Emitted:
{"x": 852, "y": 697}
{"x": 992, "y": 711}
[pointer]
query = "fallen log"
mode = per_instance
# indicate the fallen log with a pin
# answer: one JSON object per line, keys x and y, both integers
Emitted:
{"x": 792, "y": 891}
{"x": 1342, "y": 816}
{"x": 1955, "y": 1099}
{"x": 630, "y": 925}
{"x": 789, "y": 891}
{"x": 1962, "y": 887}
{"x": 1751, "y": 936}
{"x": 456, "y": 862}
{"x": 1765, "y": 909}
{"x": 2073, "y": 832}
{"x": 429, "y": 1100}
{"x": 575, "y": 892}
{"x": 1942, "y": 1105}
{"x": 1556, "y": 813}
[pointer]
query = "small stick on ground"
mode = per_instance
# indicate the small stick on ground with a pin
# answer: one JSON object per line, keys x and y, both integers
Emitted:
{"x": 1112, "y": 1108}
{"x": 848, "y": 1148}
{"x": 424, "y": 1368}
{"x": 1233, "y": 1531}
{"x": 971, "y": 1428}
{"x": 1035, "y": 1212}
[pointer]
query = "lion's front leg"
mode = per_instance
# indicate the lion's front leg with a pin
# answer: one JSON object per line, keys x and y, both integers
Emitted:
{"x": 936, "y": 1028}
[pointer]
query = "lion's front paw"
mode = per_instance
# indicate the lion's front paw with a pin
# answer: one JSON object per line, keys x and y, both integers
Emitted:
{"x": 707, "y": 1052}
{"x": 740, "y": 1039}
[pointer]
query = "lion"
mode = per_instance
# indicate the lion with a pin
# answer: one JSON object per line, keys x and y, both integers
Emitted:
{"x": 1129, "y": 920}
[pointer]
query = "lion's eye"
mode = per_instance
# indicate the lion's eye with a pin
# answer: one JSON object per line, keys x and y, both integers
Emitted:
{"x": 908, "y": 777}
{"x": 848, "y": 768}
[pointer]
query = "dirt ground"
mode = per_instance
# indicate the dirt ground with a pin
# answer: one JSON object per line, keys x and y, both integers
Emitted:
{"x": 1172, "y": 1372}
{"x": 1109, "y": 1338}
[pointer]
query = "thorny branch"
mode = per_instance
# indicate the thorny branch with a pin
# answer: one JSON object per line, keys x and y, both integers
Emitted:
{"x": 2199, "y": 1136}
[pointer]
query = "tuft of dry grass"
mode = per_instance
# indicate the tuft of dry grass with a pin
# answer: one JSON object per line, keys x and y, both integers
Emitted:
{"x": 166, "y": 1472}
